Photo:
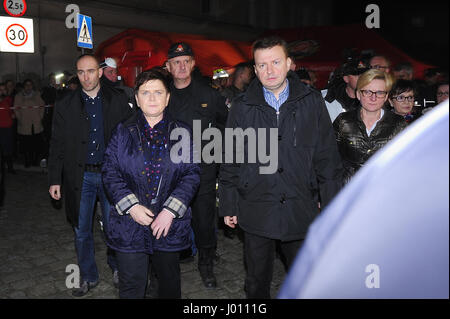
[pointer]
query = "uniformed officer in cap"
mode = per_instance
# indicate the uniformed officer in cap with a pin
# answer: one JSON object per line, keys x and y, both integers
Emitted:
{"x": 190, "y": 100}
{"x": 340, "y": 96}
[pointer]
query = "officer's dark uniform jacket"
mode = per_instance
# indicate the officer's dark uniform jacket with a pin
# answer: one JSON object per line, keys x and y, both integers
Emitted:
{"x": 282, "y": 205}
{"x": 198, "y": 101}
{"x": 355, "y": 146}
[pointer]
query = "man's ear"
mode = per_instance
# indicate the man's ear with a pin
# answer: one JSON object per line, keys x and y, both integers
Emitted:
{"x": 168, "y": 66}
{"x": 100, "y": 72}
{"x": 289, "y": 62}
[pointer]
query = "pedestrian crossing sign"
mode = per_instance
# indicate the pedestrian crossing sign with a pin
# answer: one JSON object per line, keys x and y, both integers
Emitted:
{"x": 84, "y": 32}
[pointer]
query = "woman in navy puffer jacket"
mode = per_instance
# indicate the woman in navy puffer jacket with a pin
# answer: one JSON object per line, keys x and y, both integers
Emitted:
{"x": 150, "y": 189}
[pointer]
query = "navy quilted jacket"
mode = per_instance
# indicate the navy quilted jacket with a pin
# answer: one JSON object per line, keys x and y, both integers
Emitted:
{"x": 126, "y": 185}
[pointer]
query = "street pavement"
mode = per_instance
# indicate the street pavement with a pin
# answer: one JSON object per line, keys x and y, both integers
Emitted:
{"x": 36, "y": 246}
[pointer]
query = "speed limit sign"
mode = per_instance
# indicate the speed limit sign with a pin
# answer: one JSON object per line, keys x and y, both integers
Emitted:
{"x": 16, "y": 35}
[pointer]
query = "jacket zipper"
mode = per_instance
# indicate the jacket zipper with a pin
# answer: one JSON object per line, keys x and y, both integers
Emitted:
{"x": 154, "y": 200}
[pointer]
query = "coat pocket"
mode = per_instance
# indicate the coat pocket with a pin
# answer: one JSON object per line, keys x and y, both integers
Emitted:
{"x": 123, "y": 231}
{"x": 253, "y": 185}
{"x": 245, "y": 183}
{"x": 178, "y": 237}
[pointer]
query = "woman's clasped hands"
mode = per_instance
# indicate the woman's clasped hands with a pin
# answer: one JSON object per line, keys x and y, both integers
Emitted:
{"x": 159, "y": 225}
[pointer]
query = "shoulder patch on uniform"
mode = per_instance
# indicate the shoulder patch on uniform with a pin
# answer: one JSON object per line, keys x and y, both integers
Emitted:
{"x": 204, "y": 104}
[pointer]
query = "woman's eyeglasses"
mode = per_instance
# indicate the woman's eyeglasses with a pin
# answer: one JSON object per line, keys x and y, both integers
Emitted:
{"x": 401, "y": 98}
{"x": 369, "y": 93}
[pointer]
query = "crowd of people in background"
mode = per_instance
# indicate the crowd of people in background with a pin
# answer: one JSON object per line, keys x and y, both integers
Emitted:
{"x": 26, "y": 131}
{"x": 368, "y": 101}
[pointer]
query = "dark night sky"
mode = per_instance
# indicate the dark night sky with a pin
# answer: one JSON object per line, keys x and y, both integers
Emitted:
{"x": 420, "y": 29}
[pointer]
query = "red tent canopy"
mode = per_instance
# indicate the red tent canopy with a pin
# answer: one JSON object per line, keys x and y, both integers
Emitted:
{"x": 322, "y": 47}
{"x": 137, "y": 50}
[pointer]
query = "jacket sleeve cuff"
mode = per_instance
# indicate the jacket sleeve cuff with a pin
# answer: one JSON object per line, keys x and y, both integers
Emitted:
{"x": 175, "y": 206}
{"x": 124, "y": 205}
{"x": 170, "y": 211}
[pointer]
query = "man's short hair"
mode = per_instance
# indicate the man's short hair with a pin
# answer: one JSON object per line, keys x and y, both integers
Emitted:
{"x": 268, "y": 43}
{"x": 404, "y": 66}
{"x": 388, "y": 62}
{"x": 240, "y": 68}
{"x": 85, "y": 55}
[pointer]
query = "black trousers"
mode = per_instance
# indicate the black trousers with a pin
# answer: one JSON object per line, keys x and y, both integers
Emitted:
{"x": 259, "y": 256}
{"x": 204, "y": 220}
{"x": 133, "y": 270}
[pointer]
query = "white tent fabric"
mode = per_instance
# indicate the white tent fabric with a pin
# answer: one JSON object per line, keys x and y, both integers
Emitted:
{"x": 386, "y": 234}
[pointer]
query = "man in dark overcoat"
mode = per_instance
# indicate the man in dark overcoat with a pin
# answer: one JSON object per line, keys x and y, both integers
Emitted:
{"x": 82, "y": 124}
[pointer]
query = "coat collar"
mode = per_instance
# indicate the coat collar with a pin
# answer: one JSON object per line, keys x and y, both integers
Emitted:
{"x": 133, "y": 125}
{"x": 104, "y": 93}
{"x": 134, "y": 119}
{"x": 297, "y": 90}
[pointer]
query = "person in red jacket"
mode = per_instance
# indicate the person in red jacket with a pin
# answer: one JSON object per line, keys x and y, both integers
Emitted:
{"x": 6, "y": 128}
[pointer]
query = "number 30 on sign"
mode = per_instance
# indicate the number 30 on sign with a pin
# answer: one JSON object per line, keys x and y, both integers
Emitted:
{"x": 16, "y": 35}
{"x": 15, "y": 8}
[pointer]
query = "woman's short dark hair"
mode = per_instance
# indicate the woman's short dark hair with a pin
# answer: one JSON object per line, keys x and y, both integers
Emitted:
{"x": 402, "y": 86}
{"x": 149, "y": 75}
